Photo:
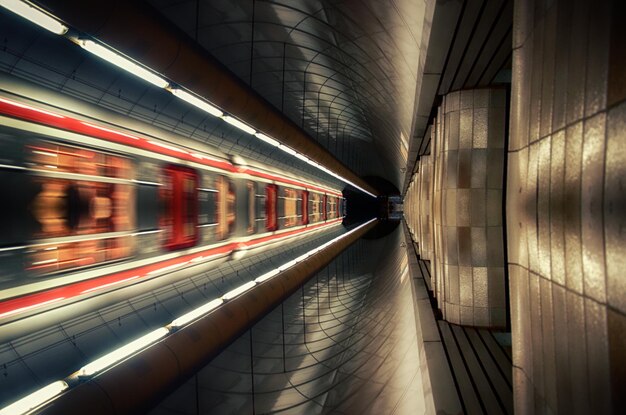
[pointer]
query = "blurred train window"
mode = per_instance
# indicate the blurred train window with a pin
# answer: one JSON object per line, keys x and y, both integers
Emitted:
{"x": 271, "y": 207}
{"x": 56, "y": 257}
{"x": 76, "y": 205}
{"x": 180, "y": 196}
{"x": 291, "y": 200}
{"x": 316, "y": 207}
{"x": 226, "y": 200}
{"x": 71, "y": 207}
{"x": 48, "y": 156}
{"x": 332, "y": 207}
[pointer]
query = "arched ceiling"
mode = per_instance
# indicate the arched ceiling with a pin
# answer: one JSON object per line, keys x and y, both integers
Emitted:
{"x": 345, "y": 71}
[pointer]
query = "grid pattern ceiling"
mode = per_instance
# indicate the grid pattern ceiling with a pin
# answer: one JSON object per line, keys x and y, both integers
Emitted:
{"x": 345, "y": 71}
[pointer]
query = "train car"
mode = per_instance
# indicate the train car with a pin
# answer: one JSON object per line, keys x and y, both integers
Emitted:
{"x": 84, "y": 199}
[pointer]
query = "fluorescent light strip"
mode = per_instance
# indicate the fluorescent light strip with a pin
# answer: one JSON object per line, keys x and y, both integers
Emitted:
{"x": 267, "y": 139}
{"x": 196, "y": 102}
{"x": 287, "y": 149}
{"x": 307, "y": 160}
{"x": 304, "y": 256}
{"x": 302, "y": 157}
{"x": 287, "y": 265}
{"x": 239, "y": 124}
{"x": 122, "y": 353}
{"x": 35, "y": 15}
{"x": 267, "y": 276}
{"x": 197, "y": 313}
{"x": 35, "y": 399}
{"x": 239, "y": 290}
{"x": 117, "y": 59}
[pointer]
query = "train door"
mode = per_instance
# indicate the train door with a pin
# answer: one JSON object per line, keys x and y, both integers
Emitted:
{"x": 305, "y": 207}
{"x": 252, "y": 209}
{"x": 271, "y": 207}
{"x": 226, "y": 201}
{"x": 179, "y": 194}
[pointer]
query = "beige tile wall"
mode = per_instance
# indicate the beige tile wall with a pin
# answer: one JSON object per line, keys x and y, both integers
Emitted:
{"x": 467, "y": 209}
{"x": 565, "y": 207}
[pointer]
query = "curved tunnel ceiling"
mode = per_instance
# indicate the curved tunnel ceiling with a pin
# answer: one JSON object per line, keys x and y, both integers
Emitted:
{"x": 345, "y": 71}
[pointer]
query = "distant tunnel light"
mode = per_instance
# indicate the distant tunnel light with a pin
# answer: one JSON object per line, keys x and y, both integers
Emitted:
{"x": 35, "y": 15}
{"x": 122, "y": 62}
{"x": 239, "y": 124}
{"x": 268, "y": 140}
{"x": 197, "y": 313}
{"x": 239, "y": 290}
{"x": 196, "y": 102}
{"x": 35, "y": 399}
{"x": 122, "y": 353}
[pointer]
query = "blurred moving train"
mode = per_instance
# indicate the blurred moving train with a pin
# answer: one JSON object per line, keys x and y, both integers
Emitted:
{"x": 82, "y": 195}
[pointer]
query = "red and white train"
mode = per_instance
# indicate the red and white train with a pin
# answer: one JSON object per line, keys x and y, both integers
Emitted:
{"x": 92, "y": 205}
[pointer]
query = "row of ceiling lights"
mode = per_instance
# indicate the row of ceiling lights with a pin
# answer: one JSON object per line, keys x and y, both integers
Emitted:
{"x": 54, "y": 25}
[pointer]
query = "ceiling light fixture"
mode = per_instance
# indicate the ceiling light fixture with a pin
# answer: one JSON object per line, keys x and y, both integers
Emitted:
{"x": 287, "y": 150}
{"x": 196, "y": 102}
{"x": 34, "y": 14}
{"x": 239, "y": 290}
{"x": 121, "y": 61}
{"x": 267, "y": 139}
{"x": 122, "y": 353}
{"x": 35, "y": 399}
{"x": 196, "y": 313}
{"x": 239, "y": 124}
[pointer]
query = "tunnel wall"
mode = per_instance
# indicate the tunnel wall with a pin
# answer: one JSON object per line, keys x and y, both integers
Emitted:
{"x": 346, "y": 342}
{"x": 467, "y": 208}
{"x": 565, "y": 225}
